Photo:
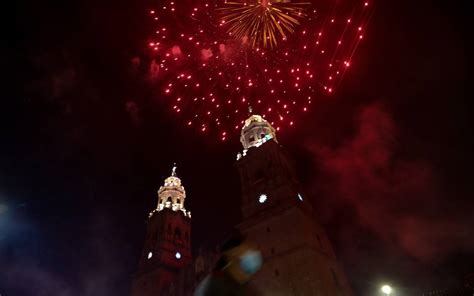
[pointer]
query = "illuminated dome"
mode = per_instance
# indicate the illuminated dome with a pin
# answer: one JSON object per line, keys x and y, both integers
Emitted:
{"x": 172, "y": 195}
{"x": 256, "y": 131}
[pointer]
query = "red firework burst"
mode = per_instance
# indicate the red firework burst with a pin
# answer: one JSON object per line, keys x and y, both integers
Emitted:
{"x": 211, "y": 78}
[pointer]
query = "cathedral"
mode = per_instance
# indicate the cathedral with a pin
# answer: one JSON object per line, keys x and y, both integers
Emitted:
{"x": 276, "y": 215}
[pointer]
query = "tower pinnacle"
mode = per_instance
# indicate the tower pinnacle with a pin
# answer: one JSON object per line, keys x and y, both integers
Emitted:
{"x": 172, "y": 195}
{"x": 256, "y": 131}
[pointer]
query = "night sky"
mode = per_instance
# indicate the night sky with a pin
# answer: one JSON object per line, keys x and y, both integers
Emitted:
{"x": 86, "y": 142}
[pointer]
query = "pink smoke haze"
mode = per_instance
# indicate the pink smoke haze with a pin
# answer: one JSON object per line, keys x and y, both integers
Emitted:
{"x": 396, "y": 198}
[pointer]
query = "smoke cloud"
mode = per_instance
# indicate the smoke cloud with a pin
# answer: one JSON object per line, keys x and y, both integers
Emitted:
{"x": 102, "y": 270}
{"x": 133, "y": 111}
{"x": 206, "y": 54}
{"x": 397, "y": 199}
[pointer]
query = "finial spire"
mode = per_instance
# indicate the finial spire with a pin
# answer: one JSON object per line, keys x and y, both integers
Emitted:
{"x": 250, "y": 109}
{"x": 173, "y": 171}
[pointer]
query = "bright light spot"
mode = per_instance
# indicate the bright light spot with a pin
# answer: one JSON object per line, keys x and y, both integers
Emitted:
{"x": 262, "y": 198}
{"x": 150, "y": 254}
{"x": 178, "y": 255}
{"x": 386, "y": 289}
{"x": 300, "y": 197}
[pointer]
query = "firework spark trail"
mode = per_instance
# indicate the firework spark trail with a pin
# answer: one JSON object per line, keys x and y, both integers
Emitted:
{"x": 209, "y": 74}
{"x": 261, "y": 21}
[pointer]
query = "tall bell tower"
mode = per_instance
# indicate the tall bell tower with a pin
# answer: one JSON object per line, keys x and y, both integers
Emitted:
{"x": 167, "y": 246}
{"x": 298, "y": 257}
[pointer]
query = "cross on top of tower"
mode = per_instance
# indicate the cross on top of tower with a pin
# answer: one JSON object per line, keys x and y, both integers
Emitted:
{"x": 173, "y": 170}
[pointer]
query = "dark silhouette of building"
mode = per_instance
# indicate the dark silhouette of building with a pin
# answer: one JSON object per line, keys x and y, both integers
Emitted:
{"x": 277, "y": 216}
{"x": 467, "y": 289}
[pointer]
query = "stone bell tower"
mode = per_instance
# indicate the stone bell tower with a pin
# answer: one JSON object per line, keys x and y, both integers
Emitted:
{"x": 167, "y": 248}
{"x": 298, "y": 257}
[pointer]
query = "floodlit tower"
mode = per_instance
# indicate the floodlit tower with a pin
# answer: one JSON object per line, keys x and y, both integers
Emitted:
{"x": 277, "y": 215}
{"x": 167, "y": 248}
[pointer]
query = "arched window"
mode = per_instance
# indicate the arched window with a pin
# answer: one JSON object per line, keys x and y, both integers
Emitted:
{"x": 177, "y": 233}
